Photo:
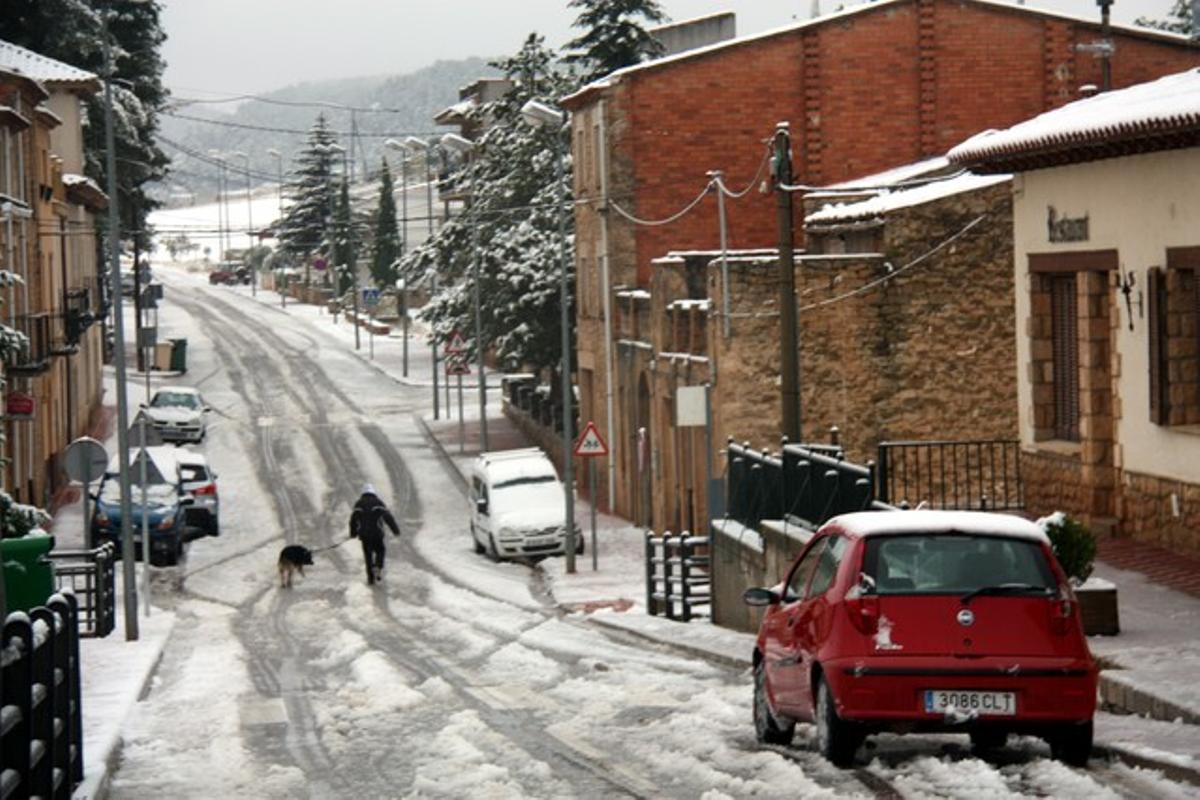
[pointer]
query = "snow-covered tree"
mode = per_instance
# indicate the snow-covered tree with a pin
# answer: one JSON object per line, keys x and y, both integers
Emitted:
{"x": 302, "y": 231}
{"x": 345, "y": 244}
{"x": 71, "y": 31}
{"x": 513, "y": 218}
{"x": 1179, "y": 20}
{"x": 613, "y": 35}
{"x": 386, "y": 245}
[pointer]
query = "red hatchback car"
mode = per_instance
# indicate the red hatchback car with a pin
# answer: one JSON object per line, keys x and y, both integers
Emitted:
{"x": 907, "y": 621}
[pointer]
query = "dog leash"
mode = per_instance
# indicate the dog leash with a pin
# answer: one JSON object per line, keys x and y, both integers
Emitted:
{"x": 328, "y": 547}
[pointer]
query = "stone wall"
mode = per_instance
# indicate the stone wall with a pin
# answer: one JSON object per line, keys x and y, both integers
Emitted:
{"x": 1148, "y": 512}
{"x": 746, "y": 557}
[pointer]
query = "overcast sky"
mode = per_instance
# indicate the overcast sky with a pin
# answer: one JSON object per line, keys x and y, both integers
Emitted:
{"x": 219, "y": 47}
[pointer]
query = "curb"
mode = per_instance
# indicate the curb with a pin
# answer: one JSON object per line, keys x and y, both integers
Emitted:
{"x": 681, "y": 647}
{"x": 459, "y": 478}
{"x": 1118, "y": 695}
{"x": 1175, "y": 772}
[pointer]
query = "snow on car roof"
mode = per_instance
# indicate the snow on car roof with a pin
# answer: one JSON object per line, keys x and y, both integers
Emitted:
{"x": 178, "y": 389}
{"x": 875, "y": 523}
{"x": 514, "y": 469}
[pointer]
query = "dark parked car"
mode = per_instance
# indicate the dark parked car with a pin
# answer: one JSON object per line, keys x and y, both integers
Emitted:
{"x": 164, "y": 507}
{"x": 909, "y": 621}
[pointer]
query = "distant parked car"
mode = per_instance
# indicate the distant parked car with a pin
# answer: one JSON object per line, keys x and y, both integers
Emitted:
{"x": 164, "y": 507}
{"x": 910, "y": 621}
{"x": 517, "y": 505}
{"x": 220, "y": 276}
{"x": 178, "y": 414}
{"x": 200, "y": 482}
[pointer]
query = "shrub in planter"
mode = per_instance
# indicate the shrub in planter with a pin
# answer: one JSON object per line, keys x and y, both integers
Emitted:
{"x": 1073, "y": 544}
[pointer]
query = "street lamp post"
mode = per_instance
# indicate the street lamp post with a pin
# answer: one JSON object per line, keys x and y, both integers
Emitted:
{"x": 541, "y": 115}
{"x": 249, "y": 227}
{"x": 129, "y": 574}
{"x": 220, "y": 158}
{"x": 402, "y": 284}
{"x": 467, "y": 147}
{"x": 414, "y": 144}
{"x": 279, "y": 167}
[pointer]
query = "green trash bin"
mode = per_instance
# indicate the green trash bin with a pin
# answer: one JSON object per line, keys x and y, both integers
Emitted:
{"x": 28, "y": 573}
{"x": 178, "y": 355}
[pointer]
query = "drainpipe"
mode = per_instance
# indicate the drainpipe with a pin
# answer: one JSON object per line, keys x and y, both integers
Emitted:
{"x": 613, "y": 439}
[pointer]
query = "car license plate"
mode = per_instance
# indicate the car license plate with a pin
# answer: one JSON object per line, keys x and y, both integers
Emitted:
{"x": 539, "y": 541}
{"x": 939, "y": 701}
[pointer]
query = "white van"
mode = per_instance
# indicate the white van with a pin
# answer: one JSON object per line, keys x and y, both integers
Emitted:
{"x": 517, "y": 505}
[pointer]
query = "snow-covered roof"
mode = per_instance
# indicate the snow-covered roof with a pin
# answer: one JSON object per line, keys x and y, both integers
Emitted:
{"x": 893, "y": 176}
{"x": 886, "y": 202}
{"x": 454, "y": 113}
{"x": 44, "y": 69}
{"x": 1148, "y": 116}
{"x": 862, "y": 8}
{"x": 875, "y": 523}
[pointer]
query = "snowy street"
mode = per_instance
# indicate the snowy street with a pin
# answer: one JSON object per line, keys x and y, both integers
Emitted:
{"x": 458, "y": 675}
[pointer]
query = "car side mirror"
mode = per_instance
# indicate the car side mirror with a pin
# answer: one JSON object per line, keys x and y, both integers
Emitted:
{"x": 481, "y": 506}
{"x": 757, "y": 596}
{"x": 142, "y": 405}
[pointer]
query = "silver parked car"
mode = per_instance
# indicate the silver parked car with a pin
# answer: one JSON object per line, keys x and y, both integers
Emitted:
{"x": 200, "y": 482}
{"x": 178, "y": 413}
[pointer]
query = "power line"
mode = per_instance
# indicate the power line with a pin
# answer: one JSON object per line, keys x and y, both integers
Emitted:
{"x": 186, "y": 101}
{"x": 295, "y": 131}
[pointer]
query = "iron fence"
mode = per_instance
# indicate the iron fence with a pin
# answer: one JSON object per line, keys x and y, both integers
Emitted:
{"x": 677, "y": 576}
{"x": 980, "y": 474}
{"x": 91, "y": 576}
{"x": 41, "y": 722}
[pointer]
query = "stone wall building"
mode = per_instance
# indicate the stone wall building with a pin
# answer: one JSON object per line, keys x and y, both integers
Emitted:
{"x": 1107, "y": 254}
{"x": 866, "y": 89}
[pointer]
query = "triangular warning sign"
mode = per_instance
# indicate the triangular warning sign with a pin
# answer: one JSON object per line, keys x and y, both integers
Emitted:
{"x": 456, "y": 344}
{"x": 591, "y": 443}
{"x": 136, "y": 431}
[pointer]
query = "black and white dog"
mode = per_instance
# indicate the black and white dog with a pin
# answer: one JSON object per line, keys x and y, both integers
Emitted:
{"x": 293, "y": 558}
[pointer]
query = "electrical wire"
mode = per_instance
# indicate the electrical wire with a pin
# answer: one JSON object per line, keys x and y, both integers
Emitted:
{"x": 186, "y": 101}
{"x": 294, "y": 131}
{"x": 668, "y": 220}
{"x": 753, "y": 181}
{"x": 905, "y": 184}
{"x": 896, "y": 272}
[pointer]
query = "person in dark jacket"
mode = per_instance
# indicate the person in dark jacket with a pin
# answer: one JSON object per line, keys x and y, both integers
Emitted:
{"x": 366, "y": 523}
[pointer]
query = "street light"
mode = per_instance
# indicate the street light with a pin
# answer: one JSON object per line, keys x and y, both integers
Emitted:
{"x": 414, "y": 144}
{"x": 249, "y": 227}
{"x": 465, "y": 146}
{"x": 402, "y": 284}
{"x": 540, "y": 115}
{"x": 220, "y": 159}
{"x": 282, "y": 289}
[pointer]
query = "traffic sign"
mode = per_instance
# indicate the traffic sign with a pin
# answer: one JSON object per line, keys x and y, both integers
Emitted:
{"x": 456, "y": 344}
{"x": 86, "y": 460}
{"x": 457, "y": 366}
{"x": 370, "y": 297}
{"x": 591, "y": 444}
{"x": 137, "y": 431}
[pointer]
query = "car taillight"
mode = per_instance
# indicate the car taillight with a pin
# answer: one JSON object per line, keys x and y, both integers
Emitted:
{"x": 1062, "y": 610}
{"x": 208, "y": 489}
{"x": 864, "y": 611}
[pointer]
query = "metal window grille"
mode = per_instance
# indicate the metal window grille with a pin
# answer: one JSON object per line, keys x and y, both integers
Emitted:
{"x": 1064, "y": 314}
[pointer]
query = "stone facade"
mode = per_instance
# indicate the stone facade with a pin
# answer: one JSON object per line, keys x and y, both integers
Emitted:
{"x": 644, "y": 137}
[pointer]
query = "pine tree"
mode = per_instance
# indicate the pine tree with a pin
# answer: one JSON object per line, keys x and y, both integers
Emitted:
{"x": 303, "y": 229}
{"x": 514, "y": 214}
{"x": 613, "y": 36}
{"x": 345, "y": 244}
{"x": 1180, "y": 20}
{"x": 386, "y": 249}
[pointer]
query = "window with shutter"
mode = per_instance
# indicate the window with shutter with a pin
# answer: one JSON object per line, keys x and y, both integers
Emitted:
{"x": 1064, "y": 316}
{"x": 1157, "y": 330}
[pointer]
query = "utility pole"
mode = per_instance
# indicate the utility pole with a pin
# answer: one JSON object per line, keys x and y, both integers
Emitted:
{"x": 789, "y": 338}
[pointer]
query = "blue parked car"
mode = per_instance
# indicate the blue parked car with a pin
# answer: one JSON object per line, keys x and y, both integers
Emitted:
{"x": 165, "y": 506}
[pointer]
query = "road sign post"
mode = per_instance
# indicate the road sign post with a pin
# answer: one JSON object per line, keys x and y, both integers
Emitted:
{"x": 85, "y": 461}
{"x": 371, "y": 302}
{"x": 591, "y": 445}
{"x": 455, "y": 365}
{"x": 453, "y": 350}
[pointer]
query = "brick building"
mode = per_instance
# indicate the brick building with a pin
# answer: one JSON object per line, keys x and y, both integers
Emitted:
{"x": 863, "y": 90}
{"x": 1107, "y": 260}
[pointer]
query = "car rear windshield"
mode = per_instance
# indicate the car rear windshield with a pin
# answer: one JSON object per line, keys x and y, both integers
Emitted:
{"x": 190, "y": 473}
{"x": 954, "y": 563}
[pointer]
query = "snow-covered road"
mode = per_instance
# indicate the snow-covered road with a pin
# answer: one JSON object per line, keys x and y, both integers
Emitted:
{"x": 455, "y": 677}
